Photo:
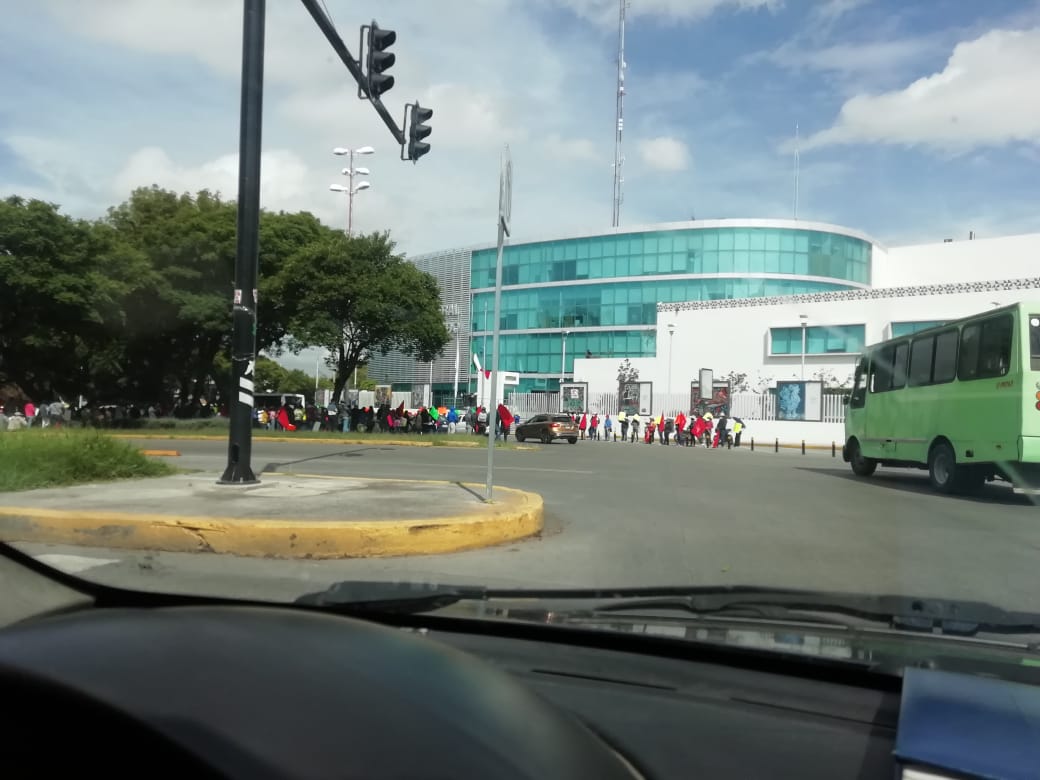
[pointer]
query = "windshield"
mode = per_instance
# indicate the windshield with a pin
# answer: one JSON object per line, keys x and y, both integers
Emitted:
{"x": 362, "y": 309}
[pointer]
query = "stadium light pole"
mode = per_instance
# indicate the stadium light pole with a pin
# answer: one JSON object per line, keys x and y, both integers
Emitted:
{"x": 350, "y": 172}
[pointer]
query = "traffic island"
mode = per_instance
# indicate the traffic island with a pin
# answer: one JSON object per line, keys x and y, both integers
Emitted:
{"x": 285, "y": 516}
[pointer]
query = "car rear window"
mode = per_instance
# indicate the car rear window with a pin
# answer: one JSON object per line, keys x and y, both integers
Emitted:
{"x": 562, "y": 418}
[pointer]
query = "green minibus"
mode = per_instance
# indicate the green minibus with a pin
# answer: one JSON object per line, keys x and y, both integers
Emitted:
{"x": 960, "y": 399}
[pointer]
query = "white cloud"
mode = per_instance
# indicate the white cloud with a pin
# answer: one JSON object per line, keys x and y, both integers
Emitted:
{"x": 981, "y": 98}
{"x": 852, "y": 59}
{"x": 574, "y": 150}
{"x": 516, "y": 89}
{"x": 826, "y": 12}
{"x": 664, "y": 154}
{"x": 605, "y": 12}
{"x": 284, "y": 176}
{"x": 662, "y": 88}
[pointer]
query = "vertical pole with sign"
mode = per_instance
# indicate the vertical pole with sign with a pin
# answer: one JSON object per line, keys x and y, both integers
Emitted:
{"x": 239, "y": 471}
{"x": 505, "y": 205}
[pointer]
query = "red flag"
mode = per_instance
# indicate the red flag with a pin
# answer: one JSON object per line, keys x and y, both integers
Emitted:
{"x": 487, "y": 374}
{"x": 283, "y": 419}
{"x": 504, "y": 415}
{"x": 400, "y": 409}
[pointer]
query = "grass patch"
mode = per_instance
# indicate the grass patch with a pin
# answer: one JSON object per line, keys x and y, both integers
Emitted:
{"x": 37, "y": 459}
{"x": 465, "y": 440}
{"x": 207, "y": 425}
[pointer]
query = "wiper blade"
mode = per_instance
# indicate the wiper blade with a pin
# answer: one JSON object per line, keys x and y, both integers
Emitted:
{"x": 394, "y": 597}
{"x": 909, "y": 613}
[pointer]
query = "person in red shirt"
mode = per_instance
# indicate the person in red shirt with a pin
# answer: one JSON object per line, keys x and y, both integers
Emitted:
{"x": 583, "y": 424}
{"x": 680, "y": 428}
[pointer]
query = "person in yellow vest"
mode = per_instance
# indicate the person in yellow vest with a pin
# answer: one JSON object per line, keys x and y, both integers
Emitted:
{"x": 738, "y": 428}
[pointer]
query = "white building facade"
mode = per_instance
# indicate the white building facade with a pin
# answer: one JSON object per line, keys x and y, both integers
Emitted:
{"x": 759, "y": 341}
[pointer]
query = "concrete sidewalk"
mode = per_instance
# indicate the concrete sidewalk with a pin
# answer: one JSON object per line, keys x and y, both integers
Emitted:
{"x": 285, "y": 516}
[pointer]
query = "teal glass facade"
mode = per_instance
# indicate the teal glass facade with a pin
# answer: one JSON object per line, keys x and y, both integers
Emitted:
{"x": 736, "y": 250}
{"x": 818, "y": 340}
{"x": 907, "y": 328}
{"x": 621, "y": 303}
{"x": 602, "y": 282}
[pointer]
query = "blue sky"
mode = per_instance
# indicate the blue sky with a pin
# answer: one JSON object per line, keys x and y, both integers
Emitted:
{"x": 917, "y": 120}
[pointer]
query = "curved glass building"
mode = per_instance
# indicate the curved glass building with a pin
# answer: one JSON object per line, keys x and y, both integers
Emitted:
{"x": 597, "y": 294}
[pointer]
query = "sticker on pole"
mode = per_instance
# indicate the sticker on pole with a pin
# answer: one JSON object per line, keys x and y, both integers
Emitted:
{"x": 238, "y": 297}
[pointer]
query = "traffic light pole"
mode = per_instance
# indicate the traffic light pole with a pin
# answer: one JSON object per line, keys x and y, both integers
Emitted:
{"x": 243, "y": 337}
{"x": 314, "y": 9}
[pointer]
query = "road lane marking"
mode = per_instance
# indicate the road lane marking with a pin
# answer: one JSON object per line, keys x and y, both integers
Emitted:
{"x": 382, "y": 464}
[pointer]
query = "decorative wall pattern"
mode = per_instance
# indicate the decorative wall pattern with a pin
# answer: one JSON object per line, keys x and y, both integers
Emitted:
{"x": 1032, "y": 283}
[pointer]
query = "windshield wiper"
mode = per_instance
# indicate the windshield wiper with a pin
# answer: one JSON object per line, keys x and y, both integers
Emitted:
{"x": 392, "y": 597}
{"x": 906, "y": 613}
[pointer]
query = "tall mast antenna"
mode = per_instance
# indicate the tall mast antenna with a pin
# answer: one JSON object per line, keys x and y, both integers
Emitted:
{"x": 619, "y": 158}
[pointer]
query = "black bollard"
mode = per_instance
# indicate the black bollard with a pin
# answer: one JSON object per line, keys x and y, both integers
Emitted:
{"x": 752, "y": 443}
{"x": 776, "y": 445}
{"x": 803, "y": 446}
{"x": 834, "y": 450}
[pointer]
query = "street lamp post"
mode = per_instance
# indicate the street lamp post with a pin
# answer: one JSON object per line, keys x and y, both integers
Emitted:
{"x": 671, "y": 337}
{"x": 483, "y": 349}
{"x": 803, "y": 318}
{"x": 454, "y": 329}
{"x": 563, "y": 366}
{"x": 350, "y": 172}
{"x": 351, "y": 192}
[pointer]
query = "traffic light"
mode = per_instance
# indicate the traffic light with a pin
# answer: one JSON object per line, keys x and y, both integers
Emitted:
{"x": 418, "y": 131}
{"x": 379, "y": 60}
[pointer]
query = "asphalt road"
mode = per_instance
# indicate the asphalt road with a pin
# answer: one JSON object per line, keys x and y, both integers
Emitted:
{"x": 620, "y": 515}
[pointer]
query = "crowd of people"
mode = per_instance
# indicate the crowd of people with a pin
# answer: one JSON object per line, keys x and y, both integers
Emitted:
{"x": 380, "y": 419}
{"x": 697, "y": 429}
{"x": 16, "y": 417}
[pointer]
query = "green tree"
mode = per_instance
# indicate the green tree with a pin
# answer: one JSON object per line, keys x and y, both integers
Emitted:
{"x": 627, "y": 372}
{"x": 282, "y": 234}
{"x": 353, "y": 296}
{"x": 270, "y": 376}
{"x": 61, "y": 295}
{"x": 179, "y": 319}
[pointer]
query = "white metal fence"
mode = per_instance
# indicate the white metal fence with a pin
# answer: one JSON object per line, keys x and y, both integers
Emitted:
{"x": 526, "y": 404}
{"x": 752, "y": 406}
{"x": 749, "y": 406}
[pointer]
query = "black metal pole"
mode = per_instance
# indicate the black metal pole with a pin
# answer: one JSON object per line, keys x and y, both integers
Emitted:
{"x": 243, "y": 337}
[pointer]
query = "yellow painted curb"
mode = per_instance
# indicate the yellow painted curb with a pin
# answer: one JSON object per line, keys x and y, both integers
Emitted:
{"x": 309, "y": 440}
{"x": 515, "y": 514}
{"x": 161, "y": 453}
